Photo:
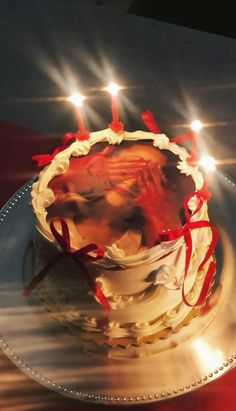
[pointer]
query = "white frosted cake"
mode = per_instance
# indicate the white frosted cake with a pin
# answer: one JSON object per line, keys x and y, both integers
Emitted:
{"x": 136, "y": 197}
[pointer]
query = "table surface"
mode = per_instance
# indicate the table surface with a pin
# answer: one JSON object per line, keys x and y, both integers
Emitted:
{"x": 178, "y": 73}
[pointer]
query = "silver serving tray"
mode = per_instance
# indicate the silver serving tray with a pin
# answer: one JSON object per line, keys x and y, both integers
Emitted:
{"x": 201, "y": 352}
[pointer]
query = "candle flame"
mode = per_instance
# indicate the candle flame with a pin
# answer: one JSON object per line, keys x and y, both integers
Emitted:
{"x": 76, "y": 99}
{"x": 113, "y": 88}
{"x": 208, "y": 162}
{"x": 196, "y": 125}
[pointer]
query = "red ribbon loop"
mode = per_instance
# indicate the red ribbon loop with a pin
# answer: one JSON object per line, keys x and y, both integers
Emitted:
{"x": 185, "y": 231}
{"x": 44, "y": 159}
{"x": 80, "y": 257}
{"x": 64, "y": 239}
{"x": 150, "y": 122}
{"x": 190, "y": 136}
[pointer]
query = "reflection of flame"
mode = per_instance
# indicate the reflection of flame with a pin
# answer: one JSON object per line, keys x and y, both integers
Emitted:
{"x": 212, "y": 358}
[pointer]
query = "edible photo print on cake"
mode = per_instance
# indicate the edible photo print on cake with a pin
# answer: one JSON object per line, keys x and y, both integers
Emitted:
{"x": 119, "y": 193}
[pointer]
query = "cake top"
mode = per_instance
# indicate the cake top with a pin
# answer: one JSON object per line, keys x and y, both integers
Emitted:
{"x": 124, "y": 194}
{"x": 116, "y": 189}
{"x": 120, "y": 195}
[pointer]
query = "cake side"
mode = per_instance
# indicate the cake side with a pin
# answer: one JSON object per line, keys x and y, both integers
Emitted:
{"x": 146, "y": 316}
{"x": 144, "y": 290}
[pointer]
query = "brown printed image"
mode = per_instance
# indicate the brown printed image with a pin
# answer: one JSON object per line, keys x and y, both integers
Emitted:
{"x": 125, "y": 194}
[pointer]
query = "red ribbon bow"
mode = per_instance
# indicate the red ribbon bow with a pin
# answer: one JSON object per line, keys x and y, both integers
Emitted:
{"x": 185, "y": 231}
{"x": 151, "y": 124}
{"x": 80, "y": 257}
{"x": 189, "y": 136}
{"x": 67, "y": 140}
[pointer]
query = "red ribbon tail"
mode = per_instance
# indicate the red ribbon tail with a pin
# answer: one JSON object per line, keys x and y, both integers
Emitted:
{"x": 42, "y": 159}
{"x": 207, "y": 283}
{"x": 104, "y": 301}
{"x": 150, "y": 122}
{"x": 64, "y": 239}
{"x": 184, "y": 137}
{"x": 101, "y": 297}
{"x": 79, "y": 256}
{"x": 67, "y": 139}
{"x": 40, "y": 276}
{"x": 204, "y": 192}
{"x": 186, "y": 232}
{"x": 190, "y": 136}
{"x": 96, "y": 290}
{"x": 83, "y": 252}
{"x": 205, "y": 287}
{"x": 212, "y": 246}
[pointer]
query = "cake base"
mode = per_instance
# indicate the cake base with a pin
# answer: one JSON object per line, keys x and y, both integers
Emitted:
{"x": 125, "y": 347}
{"x": 66, "y": 296}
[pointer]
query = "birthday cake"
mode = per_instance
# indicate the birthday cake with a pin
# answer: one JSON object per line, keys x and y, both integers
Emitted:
{"x": 124, "y": 245}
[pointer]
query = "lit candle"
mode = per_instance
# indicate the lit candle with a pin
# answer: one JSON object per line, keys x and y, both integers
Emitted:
{"x": 77, "y": 100}
{"x": 115, "y": 125}
{"x": 208, "y": 163}
{"x": 196, "y": 125}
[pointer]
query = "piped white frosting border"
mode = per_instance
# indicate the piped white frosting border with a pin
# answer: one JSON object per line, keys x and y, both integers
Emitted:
{"x": 43, "y": 197}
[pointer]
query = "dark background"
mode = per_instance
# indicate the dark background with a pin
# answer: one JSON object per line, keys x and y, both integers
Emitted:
{"x": 215, "y": 18}
{"x": 50, "y": 48}
{"x": 178, "y": 73}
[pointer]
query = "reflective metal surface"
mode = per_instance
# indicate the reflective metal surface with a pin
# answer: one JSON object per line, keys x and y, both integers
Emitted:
{"x": 202, "y": 351}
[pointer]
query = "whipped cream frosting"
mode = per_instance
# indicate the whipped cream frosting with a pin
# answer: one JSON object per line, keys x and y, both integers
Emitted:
{"x": 43, "y": 197}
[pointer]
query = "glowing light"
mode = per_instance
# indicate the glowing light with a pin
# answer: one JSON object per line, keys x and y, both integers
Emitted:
{"x": 196, "y": 125}
{"x": 76, "y": 99}
{"x": 208, "y": 162}
{"x": 209, "y": 357}
{"x": 113, "y": 88}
